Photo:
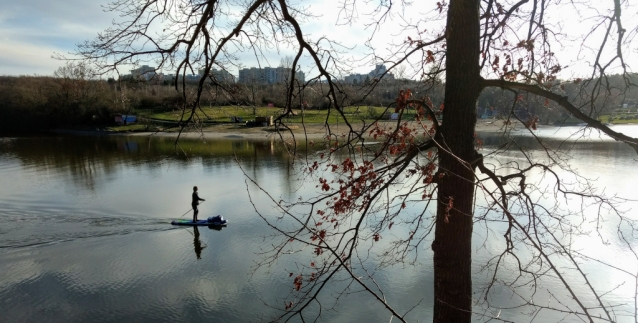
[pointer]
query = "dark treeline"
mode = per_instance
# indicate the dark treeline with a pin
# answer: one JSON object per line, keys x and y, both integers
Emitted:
{"x": 33, "y": 103}
{"x": 498, "y": 103}
{"x": 72, "y": 98}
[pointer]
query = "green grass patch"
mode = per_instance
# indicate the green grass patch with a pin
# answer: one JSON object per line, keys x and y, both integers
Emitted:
{"x": 224, "y": 114}
{"x": 625, "y": 118}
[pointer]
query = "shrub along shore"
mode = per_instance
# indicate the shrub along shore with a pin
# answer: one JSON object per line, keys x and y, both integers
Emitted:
{"x": 71, "y": 101}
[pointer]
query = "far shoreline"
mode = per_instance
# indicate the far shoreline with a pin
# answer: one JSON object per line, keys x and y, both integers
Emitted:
{"x": 236, "y": 131}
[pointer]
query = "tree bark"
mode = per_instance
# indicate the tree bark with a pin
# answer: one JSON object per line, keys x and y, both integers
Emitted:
{"x": 452, "y": 245}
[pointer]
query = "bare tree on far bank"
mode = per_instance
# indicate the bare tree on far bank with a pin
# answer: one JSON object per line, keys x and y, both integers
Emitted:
{"x": 369, "y": 193}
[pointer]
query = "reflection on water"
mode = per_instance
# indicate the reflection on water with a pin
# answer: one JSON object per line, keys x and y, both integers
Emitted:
{"x": 84, "y": 159}
{"x": 197, "y": 244}
{"x": 86, "y": 234}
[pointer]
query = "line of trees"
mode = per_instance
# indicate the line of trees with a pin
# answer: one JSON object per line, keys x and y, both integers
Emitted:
{"x": 73, "y": 96}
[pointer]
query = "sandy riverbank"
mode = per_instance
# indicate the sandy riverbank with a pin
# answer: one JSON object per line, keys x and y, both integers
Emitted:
{"x": 311, "y": 131}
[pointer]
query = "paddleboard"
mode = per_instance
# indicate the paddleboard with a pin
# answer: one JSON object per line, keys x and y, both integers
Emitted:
{"x": 198, "y": 223}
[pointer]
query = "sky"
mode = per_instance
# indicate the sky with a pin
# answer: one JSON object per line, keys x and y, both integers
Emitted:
{"x": 33, "y": 31}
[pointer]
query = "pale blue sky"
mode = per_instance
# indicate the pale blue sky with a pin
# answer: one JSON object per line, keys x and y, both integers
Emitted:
{"x": 31, "y": 31}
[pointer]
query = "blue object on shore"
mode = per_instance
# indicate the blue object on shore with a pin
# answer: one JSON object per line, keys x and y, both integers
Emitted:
{"x": 214, "y": 220}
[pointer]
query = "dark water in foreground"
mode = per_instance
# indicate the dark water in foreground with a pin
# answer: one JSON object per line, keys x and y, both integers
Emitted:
{"x": 85, "y": 234}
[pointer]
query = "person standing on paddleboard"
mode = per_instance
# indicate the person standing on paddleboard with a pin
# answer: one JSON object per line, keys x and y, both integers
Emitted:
{"x": 195, "y": 202}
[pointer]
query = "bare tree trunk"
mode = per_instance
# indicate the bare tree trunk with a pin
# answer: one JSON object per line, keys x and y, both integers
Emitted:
{"x": 452, "y": 244}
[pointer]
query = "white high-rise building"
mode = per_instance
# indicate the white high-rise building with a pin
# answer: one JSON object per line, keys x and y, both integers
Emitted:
{"x": 377, "y": 72}
{"x": 144, "y": 73}
{"x": 269, "y": 75}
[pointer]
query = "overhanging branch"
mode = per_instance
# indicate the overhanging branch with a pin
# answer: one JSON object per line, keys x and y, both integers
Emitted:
{"x": 564, "y": 102}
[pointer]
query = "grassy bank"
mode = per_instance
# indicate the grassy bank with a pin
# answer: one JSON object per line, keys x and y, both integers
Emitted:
{"x": 625, "y": 118}
{"x": 167, "y": 121}
{"x": 225, "y": 114}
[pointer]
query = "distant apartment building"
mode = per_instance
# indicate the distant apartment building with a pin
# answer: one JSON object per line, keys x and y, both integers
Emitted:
{"x": 251, "y": 75}
{"x": 268, "y": 75}
{"x": 144, "y": 73}
{"x": 192, "y": 77}
{"x": 171, "y": 78}
{"x": 356, "y": 78}
{"x": 378, "y": 70}
{"x": 220, "y": 75}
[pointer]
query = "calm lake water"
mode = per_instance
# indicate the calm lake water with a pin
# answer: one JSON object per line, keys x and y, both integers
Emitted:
{"x": 86, "y": 234}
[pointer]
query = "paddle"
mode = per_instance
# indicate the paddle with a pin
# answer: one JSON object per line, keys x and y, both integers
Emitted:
{"x": 191, "y": 209}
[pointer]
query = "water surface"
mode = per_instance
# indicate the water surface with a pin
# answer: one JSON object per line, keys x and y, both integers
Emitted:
{"x": 86, "y": 234}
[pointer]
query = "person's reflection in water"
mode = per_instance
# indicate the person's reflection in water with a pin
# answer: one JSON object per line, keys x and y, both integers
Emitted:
{"x": 197, "y": 244}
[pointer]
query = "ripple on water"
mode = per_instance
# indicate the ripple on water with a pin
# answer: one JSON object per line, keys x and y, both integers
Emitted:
{"x": 56, "y": 226}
